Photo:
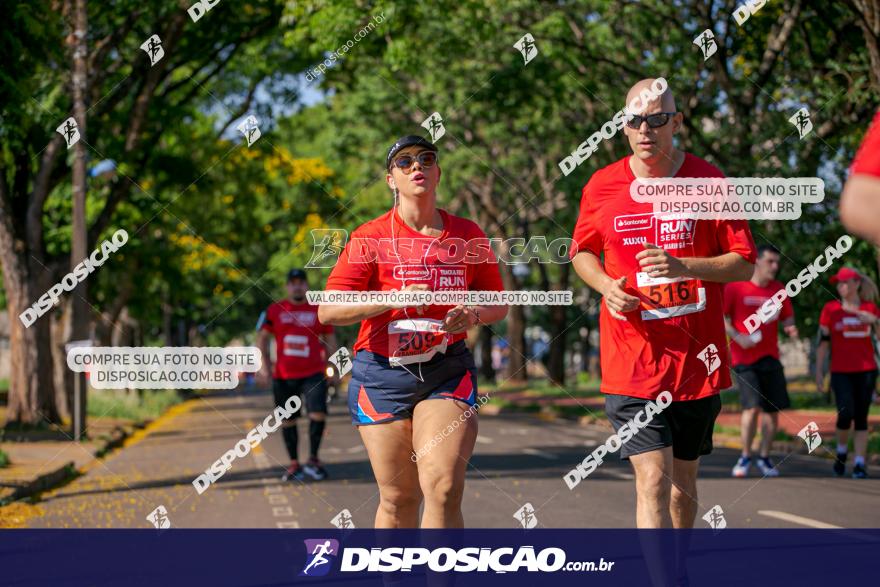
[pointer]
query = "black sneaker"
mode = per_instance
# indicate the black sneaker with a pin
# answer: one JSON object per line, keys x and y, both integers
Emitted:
{"x": 314, "y": 470}
{"x": 859, "y": 472}
{"x": 840, "y": 464}
{"x": 294, "y": 473}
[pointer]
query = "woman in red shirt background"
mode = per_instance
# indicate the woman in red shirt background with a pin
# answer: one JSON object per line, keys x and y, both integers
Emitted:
{"x": 846, "y": 326}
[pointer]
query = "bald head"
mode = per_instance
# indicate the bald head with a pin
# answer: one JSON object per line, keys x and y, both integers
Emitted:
{"x": 667, "y": 100}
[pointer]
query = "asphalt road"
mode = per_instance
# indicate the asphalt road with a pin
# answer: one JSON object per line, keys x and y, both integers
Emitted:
{"x": 518, "y": 460}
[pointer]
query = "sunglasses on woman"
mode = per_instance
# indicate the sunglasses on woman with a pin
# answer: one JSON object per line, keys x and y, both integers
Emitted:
{"x": 654, "y": 120}
{"x": 426, "y": 159}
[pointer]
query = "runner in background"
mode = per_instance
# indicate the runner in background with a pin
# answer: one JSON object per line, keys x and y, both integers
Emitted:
{"x": 845, "y": 326}
{"x": 860, "y": 200}
{"x": 413, "y": 377}
{"x": 661, "y": 324}
{"x": 755, "y": 358}
{"x": 302, "y": 347}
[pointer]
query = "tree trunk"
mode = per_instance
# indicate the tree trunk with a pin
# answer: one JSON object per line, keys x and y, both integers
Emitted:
{"x": 516, "y": 331}
{"x": 63, "y": 376}
{"x": 31, "y": 385}
{"x": 80, "y": 310}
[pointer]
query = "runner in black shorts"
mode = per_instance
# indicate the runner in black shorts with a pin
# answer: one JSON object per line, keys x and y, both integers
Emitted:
{"x": 846, "y": 327}
{"x": 302, "y": 346}
{"x": 755, "y": 357}
{"x": 661, "y": 324}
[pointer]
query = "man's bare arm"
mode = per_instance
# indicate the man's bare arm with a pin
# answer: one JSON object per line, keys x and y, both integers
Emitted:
{"x": 860, "y": 206}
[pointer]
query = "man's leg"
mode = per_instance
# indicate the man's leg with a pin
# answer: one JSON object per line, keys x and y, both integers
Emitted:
{"x": 316, "y": 405}
{"x": 683, "y": 505}
{"x": 749, "y": 422}
{"x": 282, "y": 389}
{"x": 654, "y": 474}
{"x": 769, "y": 424}
{"x": 749, "y": 385}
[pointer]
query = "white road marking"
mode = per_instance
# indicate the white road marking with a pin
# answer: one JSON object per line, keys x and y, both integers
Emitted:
{"x": 277, "y": 499}
{"x": 282, "y": 511}
{"x": 540, "y": 453}
{"x": 797, "y": 519}
{"x": 287, "y": 524}
{"x": 355, "y": 449}
{"x": 484, "y": 440}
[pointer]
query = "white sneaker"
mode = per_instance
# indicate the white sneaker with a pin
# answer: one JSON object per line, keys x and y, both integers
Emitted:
{"x": 742, "y": 466}
{"x": 766, "y": 467}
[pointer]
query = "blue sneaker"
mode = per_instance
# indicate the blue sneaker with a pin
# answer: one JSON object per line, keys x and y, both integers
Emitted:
{"x": 741, "y": 468}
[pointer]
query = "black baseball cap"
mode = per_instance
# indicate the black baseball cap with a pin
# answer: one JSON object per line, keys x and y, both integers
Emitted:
{"x": 407, "y": 141}
{"x": 295, "y": 274}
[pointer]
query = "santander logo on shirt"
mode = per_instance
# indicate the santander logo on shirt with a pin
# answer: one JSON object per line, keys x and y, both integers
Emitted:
{"x": 668, "y": 233}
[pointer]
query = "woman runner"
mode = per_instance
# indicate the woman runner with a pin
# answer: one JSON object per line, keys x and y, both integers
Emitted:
{"x": 405, "y": 356}
{"x": 845, "y": 326}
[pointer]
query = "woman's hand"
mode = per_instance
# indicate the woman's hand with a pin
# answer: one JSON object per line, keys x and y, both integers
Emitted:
{"x": 460, "y": 319}
{"x": 420, "y": 309}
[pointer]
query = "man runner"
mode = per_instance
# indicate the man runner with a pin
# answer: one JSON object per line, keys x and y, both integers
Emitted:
{"x": 860, "y": 200}
{"x": 302, "y": 346}
{"x": 755, "y": 358}
{"x": 661, "y": 315}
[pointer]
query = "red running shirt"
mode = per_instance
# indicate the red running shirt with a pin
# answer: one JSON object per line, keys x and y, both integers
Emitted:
{"x": 675, "y": 341}
{"x": 867, "y": 159}
{"x": 413, "y": 260}
{"x": 741, "y": 300}
{"x": 852, "y": 348}
{"x": 299, "y": 352}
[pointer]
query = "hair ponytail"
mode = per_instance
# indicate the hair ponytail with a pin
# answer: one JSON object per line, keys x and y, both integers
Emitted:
{"x": 867, "y": 289}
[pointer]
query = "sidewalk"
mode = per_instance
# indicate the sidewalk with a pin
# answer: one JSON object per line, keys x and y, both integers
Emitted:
{"x": 40, "y": 459}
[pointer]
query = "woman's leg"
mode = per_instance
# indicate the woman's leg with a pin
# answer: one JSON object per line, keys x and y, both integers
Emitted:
{"x": 442, "y": 465}
{"x": 389, "y": 447}
{"x": 861, "y": 404}
{"x": 843, "y": 398}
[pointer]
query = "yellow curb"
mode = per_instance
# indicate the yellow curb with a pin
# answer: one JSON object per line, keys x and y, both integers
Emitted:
{"x": 16, "y": 514}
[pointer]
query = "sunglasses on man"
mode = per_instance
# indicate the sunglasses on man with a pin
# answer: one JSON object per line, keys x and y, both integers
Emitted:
{"x": 655, "y": 120}
{"x": 426, "y": 159}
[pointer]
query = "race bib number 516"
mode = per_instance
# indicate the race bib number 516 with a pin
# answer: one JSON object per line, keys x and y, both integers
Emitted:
{"x": 665, "y": 297}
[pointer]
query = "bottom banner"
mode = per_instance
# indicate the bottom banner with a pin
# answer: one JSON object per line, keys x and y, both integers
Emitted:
{"x": 436, "y": 557}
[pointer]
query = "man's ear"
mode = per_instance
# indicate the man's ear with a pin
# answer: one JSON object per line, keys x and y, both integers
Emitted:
{"x": 677, "y": 121}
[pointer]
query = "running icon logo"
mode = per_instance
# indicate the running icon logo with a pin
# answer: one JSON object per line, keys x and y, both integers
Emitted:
{"x": 801, "y": 121}
{"x": 434, "y": 125}
{"x": 526, "y": 46}
{"x": 526, "y": 516}
{"x": 810, "y": 434}
{"x": 706, "y": 42}
{"x": 715, "y": 518}
{"x": 327, "y": 245}
{"x": 159, "y": 518}
{"x": 343, "y": 520}
{"x": 250, "y": 129}
{"x": 70, "y": 131}
{"x": 341, "y": 359}
{"x": 320, "y": 555}
{"x": 153, "y": 48}
{"x": 710, "y": 358}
